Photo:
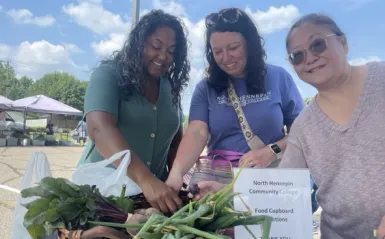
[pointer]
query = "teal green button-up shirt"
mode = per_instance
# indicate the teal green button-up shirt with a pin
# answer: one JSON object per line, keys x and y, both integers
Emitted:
{"x": 148, "y": 128}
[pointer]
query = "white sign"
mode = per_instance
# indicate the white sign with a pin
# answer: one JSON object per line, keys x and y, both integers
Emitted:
{"x": 283, "y": 194}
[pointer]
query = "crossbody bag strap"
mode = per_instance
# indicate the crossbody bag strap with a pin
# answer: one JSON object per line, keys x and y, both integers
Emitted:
{"x": 252, "y": 140}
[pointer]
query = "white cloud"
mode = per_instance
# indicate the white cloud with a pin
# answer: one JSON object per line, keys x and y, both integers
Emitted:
{"x": 24, "y": 16}
{"x": 170, "y": 7}
{"x": 195, "y": 30}
{"x": 271, "y": 20}
{"x": 364, "y": 60}
{"x": 275, "y": 18}
{"x": 196, "y": 75}
{"x": 117, "y": 37}
{"x": 37, "y": 58}
{"x": 93, "y": 16}
{"x": 42, "y": 52}
{"x": 196, "y": 38}
{"x": 72, "y": 48}
{"x": 4, "y": 51}
{"x": 106, "y": 47}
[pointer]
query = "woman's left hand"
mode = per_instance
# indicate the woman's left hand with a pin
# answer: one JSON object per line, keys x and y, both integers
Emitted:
{"x": 381, "y": 229}
{"x": 258, "y": 158}
{"x": 206, "y": 187}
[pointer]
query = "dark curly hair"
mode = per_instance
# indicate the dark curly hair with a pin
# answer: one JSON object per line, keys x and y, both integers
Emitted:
{"x": 255, "y": 66}
{"x": 129, "y": 59}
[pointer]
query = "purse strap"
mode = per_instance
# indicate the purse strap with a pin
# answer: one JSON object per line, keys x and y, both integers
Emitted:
{"x": 252, "y": 140}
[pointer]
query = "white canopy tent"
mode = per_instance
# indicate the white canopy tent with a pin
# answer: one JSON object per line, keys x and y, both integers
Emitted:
{"x": 44, "y": 105}
{"x": 5, "y": 103}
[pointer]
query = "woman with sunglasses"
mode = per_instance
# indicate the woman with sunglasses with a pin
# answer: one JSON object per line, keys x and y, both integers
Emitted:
{"x": 340, "y": 135}
{"x": 266, "y": 94}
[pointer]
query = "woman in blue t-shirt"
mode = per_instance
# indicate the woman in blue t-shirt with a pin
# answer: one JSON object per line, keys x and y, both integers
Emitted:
{"x": 266, "y": 94}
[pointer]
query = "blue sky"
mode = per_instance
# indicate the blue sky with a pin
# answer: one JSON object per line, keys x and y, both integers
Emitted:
{"x": 44, "y": 35}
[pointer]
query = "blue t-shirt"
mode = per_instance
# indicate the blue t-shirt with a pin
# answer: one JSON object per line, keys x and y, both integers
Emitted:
{"x": 266, "y": 113}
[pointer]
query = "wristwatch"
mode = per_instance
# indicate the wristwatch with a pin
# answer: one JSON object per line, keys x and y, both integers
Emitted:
{"x": 276, "y": 150}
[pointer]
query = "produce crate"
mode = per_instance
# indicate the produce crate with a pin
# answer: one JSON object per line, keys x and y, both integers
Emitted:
{"x": 38, "y": 142}
{"x": 3, "y": 142}
{"x": 50, "y": 138}
{"x": 12, "y": 141}
{"x": 66, "y": 142}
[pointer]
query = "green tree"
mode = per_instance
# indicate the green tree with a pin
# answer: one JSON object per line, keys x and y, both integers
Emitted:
{"x": 7, "y": 77}
{"x": 19, "y": 88}
{"x": 61, "y": 86}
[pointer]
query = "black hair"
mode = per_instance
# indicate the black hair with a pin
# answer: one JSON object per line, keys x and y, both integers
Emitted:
{"x": 255, "y": 65}
{"x": 129, "y": 58}
{"x": 315, "y": 19}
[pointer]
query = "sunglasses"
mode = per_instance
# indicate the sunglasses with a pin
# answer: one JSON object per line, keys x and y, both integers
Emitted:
{"x": 229, "y": 15}
{"x": 316, "y": 47}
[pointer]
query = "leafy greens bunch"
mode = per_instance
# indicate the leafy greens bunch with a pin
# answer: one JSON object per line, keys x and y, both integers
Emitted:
{"x": 207, "y": 218}
{"x": 63, "y": 204}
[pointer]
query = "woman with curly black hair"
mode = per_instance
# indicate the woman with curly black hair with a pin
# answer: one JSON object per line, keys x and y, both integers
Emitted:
{"x": 244, "y": 104}
{"x": 133, "y": 101}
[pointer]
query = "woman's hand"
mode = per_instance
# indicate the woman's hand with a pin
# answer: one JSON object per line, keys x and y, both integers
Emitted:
{"x": 189, "y": 150}
{"x": 258, "y": 158}
{"x": 381, "y": 229}
{"x": 175, "y": 181}
{"x": 109, "y": 140}
{"x": 160, "y": 196}
{"x": 205, "y": 187}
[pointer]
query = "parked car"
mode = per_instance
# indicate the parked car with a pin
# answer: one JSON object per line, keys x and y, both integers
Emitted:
{"x": 8, "y": 123}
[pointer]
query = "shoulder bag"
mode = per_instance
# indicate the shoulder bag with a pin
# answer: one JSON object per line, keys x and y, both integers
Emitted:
{"x": 217, "y": 165}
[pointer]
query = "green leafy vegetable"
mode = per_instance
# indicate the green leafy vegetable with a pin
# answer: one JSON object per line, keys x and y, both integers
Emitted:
{"x": 63, "y": 204}
{"x": 206, "y": 218}
{"x": 122, "y": 202}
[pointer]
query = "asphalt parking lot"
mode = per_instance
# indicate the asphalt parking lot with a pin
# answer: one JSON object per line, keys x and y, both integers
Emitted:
{"x": 14, "y": 161}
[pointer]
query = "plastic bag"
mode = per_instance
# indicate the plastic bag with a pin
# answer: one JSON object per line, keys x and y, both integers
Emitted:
{"x": 37, "y": 169}
{"x": 108, "y": 180}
